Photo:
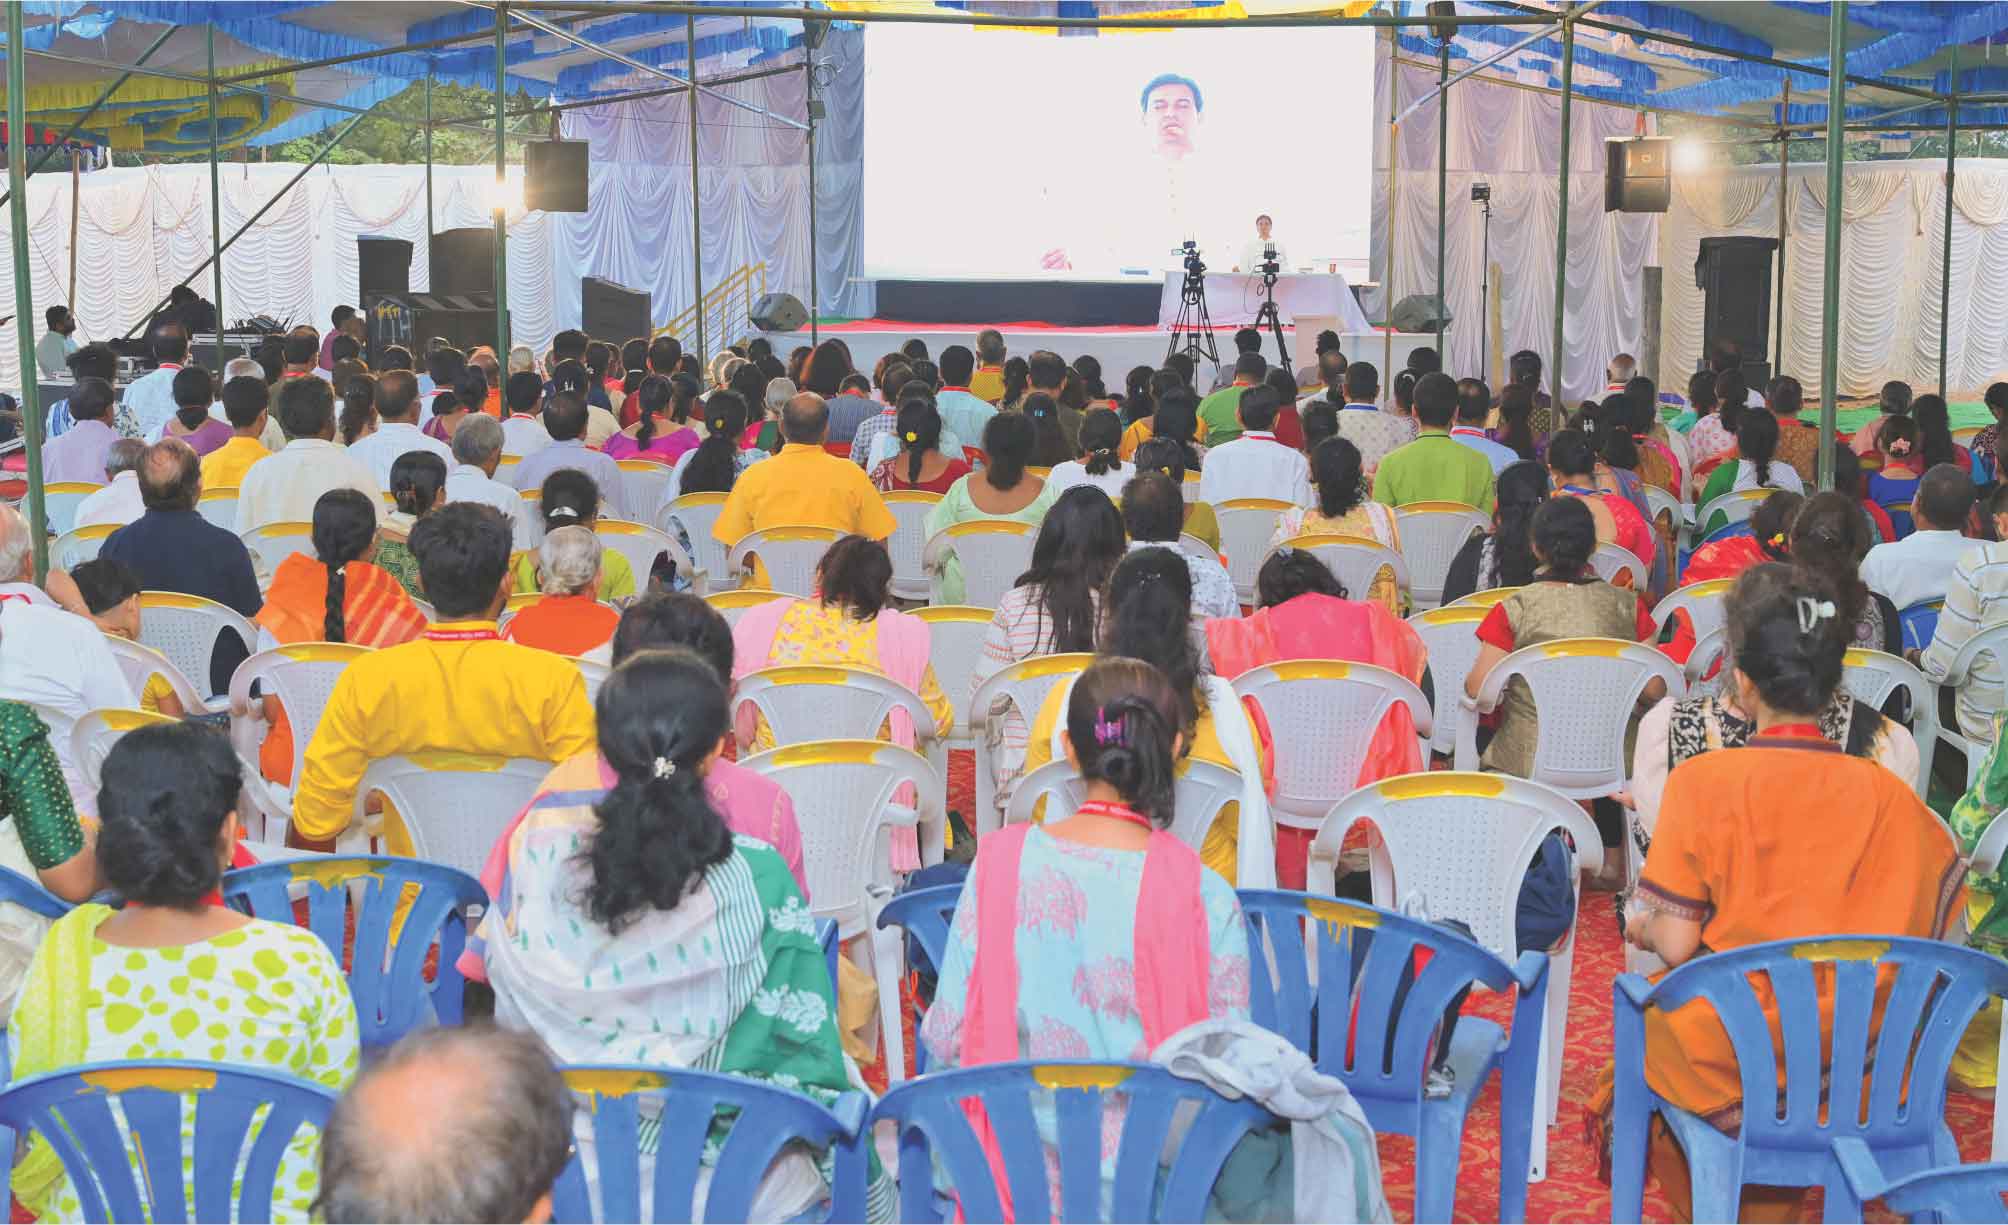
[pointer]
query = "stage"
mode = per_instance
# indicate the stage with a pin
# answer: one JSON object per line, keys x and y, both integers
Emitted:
{"x": 1117, "y": 348}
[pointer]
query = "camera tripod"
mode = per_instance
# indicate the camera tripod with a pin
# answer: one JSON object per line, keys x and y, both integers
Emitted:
{"x": 1193, "y": 325}
{"x": 1269, "y": 316}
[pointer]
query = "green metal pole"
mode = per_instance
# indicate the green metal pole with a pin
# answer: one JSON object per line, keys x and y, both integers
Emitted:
{"x": 501, "y": 180}
{"x": 428, "y": 161}
{"x": 1784, "y": 193}
{"x": 1442, "y": 178}
{"x": 24, "y": 292}
{"x": 1945, "y": 265}
{"x": 696, "y": 229}
{"x": 1562, "y": 213}
{"x": 808, "y": 113}
{"x": 215, "y": 197}
{"x": 1830, "y": 292}
{"x": 77, "y": 125}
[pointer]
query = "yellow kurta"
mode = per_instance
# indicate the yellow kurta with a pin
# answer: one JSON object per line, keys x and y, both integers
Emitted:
{"x": 224, "y": 468}
{"x": 471, "y": 696}
{"x": 1143, "y": 429}
{"x": 813, "y": 633}
{"x": 987, "y": 383}
{"x": 803, "y": 485}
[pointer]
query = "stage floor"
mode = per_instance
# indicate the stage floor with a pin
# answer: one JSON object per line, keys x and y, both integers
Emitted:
{"x": 1117, "y": 348}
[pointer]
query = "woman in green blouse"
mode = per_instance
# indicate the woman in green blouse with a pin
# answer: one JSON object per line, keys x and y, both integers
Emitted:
{"x": 36, "y": 802}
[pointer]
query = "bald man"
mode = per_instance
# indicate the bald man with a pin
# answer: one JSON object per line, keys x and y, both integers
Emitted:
{"x": 465, "y": 1124}
{"x": 804, "y": 485}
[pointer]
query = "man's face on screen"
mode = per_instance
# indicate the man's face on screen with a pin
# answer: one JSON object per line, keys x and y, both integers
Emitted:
{"x": 1171, "y": 117}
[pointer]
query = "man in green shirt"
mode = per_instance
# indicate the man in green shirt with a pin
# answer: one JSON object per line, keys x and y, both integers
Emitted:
{"x": 1435, "y": 467}
{"x": 1221, "y": 411}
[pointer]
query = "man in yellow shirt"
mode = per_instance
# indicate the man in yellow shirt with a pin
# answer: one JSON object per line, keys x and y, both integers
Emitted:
{"x": 244, "y": 404}
{"x": 804, "y": 485}
{"x": 988, "y": 381}
{"x": 459, "y": 687}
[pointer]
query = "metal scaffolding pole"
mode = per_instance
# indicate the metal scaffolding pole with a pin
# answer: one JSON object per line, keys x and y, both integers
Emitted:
{"x": 1784, "y": 193}
{"x": 24, "y": 292}
{"x": 1442, "y": 177}
{"x": 809, "y": 134}
{"x": 428, "y": 165}
{"x": 1945, "y": 264}
{"x": 1393, "y": 186}
{"x": 1562, "y": 212}
{"x": 1830, "y": 292}
{"x": 696, "y": 232}
{"x": 77, "y": 125}
{"x": 501, "y": 185}
{"x": 215, "y": 195}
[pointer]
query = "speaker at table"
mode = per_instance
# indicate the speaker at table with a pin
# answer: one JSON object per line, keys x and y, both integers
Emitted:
{"x": 1734, "y": 277}
{"x": 554, "y": 175}
{"x": 1635, "y": 175}
{"x": 614, "y": 313}
{"x": 463, "y": 261}
{"x": 383, "y": 265}
{"x": 778, "y": 312}
{"x": 1419, "y": 312}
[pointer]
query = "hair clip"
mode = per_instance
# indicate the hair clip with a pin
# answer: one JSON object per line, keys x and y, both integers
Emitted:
{"x": 1166, "y": 471}
{"x": 561, "y": 512}
{"x": 1107, "y": 731}
{"x": 1812, "y": 612}
{"x": 664, "y": 767}
{"x": 912, "y": 437}
{"x": 1899, "y": 446}
{"x": 1777, "y": 540}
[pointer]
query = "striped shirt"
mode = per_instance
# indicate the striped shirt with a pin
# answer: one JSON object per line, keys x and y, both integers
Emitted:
{"x": 1975, "y": 597}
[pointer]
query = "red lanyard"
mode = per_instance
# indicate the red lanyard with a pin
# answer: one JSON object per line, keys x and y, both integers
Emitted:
{"x": 1120, "y": 812}
{"x": 480, "y": 635}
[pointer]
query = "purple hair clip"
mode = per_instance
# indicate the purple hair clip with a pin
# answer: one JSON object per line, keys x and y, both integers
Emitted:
{"x": 1107, "y": 731}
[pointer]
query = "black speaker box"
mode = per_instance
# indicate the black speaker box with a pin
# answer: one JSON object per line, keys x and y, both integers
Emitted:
{"x": 1418, "y": 312}
{"x": 778, "y": 312}
{"x": 1734, "y": 276}
{"x": 554, "y": 175}
{"x": 614, "y": 313}
{"x": 1636, "y": 175}
{"x": 383, "y": 265}
{"x": 463, "y": 261}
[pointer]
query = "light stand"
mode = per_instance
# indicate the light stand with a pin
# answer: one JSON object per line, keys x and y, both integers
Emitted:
{"x": 1269, "y": 314}
{"x": 1193, "y": 325}
{"x": 1482, "y": 193}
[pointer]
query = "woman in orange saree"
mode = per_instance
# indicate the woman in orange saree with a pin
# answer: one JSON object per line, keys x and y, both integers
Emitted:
{"x": 1303, "y": 613}
{"x": 340, "y": 597}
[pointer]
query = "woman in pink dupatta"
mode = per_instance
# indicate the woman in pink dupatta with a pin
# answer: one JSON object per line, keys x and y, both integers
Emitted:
{"x": 1101, "y": 935}
{"x": 1303, "y": 613}
{"x": 850, "y": 622}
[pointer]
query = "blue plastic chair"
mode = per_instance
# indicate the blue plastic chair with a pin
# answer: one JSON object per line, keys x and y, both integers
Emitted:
{"x": 1933, "y": 991}
{"x": 1920, "y": 623}
{"x": 1346, "y": 1024}
{"x": 388, "y": 982}
{"x": 924, "y": 915}
{"x": 683, "y": 1105}
{"x": 1956, "y": 1193}
{"x": 73, "y": 1111}
{"x": 29, "y": 894}
{"x": 932, "y": 1128}
{"x": 826, "y": 939}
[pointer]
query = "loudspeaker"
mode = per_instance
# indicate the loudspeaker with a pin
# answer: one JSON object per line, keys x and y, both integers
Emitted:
{"x": 383, "y": 265}
{"x": 614, "y": 313}
{"x": 554, "y": 175}
{"x": 779, "y": 312}
{"x": 1734, "y": 276}
{"x": 1635, "y": 175}
{"x": 1418, "y": 312}
{"x": 411, "y": 320}
{"x": 463, "y": 261}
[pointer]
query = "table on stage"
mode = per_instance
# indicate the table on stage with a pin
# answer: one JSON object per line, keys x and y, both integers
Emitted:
{"x": 1232, "y": 298}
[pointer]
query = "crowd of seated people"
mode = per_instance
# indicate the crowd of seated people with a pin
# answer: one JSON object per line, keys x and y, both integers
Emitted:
{"x": 453, "y": 522}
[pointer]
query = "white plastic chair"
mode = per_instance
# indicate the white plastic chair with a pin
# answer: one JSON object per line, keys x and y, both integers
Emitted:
{"x": 1660, "y": 502}
{"x": 644, "y": 485}
{"x": 1246, "y": 524}
{"x": 640, "y": 544}
{"x": 1988, "y": 640}
{"x": 843, "y": 794}
{"x": 955, "y": 634}
{"x": 1585, "y": 689}
{"x": 908, "y": 542}
{"x": 1871, "y": 676}
{"x": 454, "y": 805}
{"x": 1432, "y": 534}
{"x": 789, "y": 553}
{"x": 1461, "y": 843}
{"x": 1355, "y": 560}
{"x": 1704, "y": 604}
{"x": 1484, "y": 599}
{"x": 1450, "y": 643}
{"x": 92, "y": 738}
{"x": 1023, "y": 686}
{"x": 1735, "y": 506}
{"x": 1711, "y": 649}
{"x": 1611, "y": 560}
{"x": 274, "y": 543}
{"x": 993, "y": 553}
{"x": 185, "y": 628}
{"x": 60, "y": 501}
{"x": 1204, "y": 788}
{"x": 1323, "y": 714}
{"x": 805, "y": 702}
{"x": 302, "y": 677}
{"x": 1193, "y": 546}
{"x": 730, "y": 603}
{"x": 219, "y": 507}
{"x": 79, "y": 545}
{"x": 695, "y": 513}
{"x": 595, "y": 675}
{"x": 139, "y": 663}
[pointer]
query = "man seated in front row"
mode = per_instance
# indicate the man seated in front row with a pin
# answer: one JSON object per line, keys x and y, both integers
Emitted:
{"x": 459, "y": 687}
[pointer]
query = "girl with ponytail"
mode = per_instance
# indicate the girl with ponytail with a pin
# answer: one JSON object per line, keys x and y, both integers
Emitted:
{"x": 919, "y": 463}
{"x": 1894, "y": 486}
{"x": 658, "y": 432}
{"x": 628, "y": 916}
{"x": 1100, "y": 464}
{"x": 1003, "y": 489}
{"x": 714, "y": 464}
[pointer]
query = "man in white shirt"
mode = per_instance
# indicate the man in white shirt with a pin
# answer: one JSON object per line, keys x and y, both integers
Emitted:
{"x": 1362, "y": 423}
{"x": 52, "y": 352}
{"x": 283, "y": 487}
{"x": 272, "y": 438}
{"x": 565, "y": 420}
{"x": 1474, "y": 404}
{"x": 119, "y": 501}
{"x": 1919, "y": 567}
{"x": 397, "y": 428}
{"x": 1976, "y": 598}
{"x": 150, "y": 397}
{"x": 1253, "y": 252}
{"x": 477, "y": 452}
{"x": 523, "y": 432}
{"x": 1154, "y": 515}
{"x": 1256, "y": 465}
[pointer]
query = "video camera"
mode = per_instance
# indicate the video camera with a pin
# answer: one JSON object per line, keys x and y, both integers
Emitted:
{"x": 1270, "y": 266}
{"x": 1194, "y": 266}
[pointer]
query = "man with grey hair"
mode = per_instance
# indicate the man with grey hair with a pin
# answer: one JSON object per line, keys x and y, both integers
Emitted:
{"x": 1622, "y": 369}
{"x": 569, "y": 619}
{"x": 461, "y": 1124}
{"x": 477, "y": 452}
{"x": 568, "y": 562}
{"x": 119, "y": 501}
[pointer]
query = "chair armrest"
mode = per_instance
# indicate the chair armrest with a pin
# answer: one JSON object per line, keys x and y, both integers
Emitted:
{"x": 1859, "y": 1166}
{"x": 1530, "y": 971}
{"x": 1465, "y": 754}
